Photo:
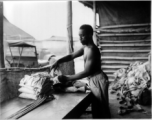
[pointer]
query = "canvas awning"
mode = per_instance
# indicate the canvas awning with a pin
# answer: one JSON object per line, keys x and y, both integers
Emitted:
{"x": 121, "y": 12}
{"x": 20, "y": 44}
{"x": 12, "y": 32}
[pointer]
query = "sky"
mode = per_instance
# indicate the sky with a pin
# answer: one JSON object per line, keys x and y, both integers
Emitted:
{"x": 43, "y": 19}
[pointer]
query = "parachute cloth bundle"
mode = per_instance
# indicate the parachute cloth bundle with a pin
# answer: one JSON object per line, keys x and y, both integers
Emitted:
{"x": 32, "y": 86}
{"x": 40, "y": 87}
{"x": 69, "y": 87}
{"x": 130, "y": 85}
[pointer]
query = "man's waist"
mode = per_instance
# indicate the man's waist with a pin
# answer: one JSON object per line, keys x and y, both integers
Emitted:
{"x": 95, "y": 73}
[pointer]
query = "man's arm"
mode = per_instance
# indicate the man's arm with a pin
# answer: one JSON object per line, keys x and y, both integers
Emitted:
{"x": 67, "y": 58}
{"x": 71, "y": 56}
{"x": 88, "y": 68}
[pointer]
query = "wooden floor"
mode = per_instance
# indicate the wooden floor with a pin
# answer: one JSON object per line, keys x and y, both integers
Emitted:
{"x": 114, "y": 105}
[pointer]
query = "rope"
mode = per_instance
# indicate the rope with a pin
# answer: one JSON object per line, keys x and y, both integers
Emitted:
{"x": 27, "y": 108}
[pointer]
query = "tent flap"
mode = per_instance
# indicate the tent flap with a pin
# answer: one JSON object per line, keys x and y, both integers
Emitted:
{"x": 20, "y": 44}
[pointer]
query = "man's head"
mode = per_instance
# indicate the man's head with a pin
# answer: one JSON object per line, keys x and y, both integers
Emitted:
{"x": 85, "y": 33}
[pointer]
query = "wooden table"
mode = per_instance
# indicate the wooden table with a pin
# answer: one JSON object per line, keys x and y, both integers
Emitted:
{"x": 64, "y": 106}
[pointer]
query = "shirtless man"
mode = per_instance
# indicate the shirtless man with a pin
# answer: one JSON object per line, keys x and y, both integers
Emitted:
{"x": 98, "y": 81}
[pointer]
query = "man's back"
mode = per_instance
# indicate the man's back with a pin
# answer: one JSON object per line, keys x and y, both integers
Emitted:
{"x": 92, "y": 54}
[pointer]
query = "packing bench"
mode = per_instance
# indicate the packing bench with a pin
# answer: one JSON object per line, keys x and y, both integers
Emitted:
{"x": 64, "y": 106}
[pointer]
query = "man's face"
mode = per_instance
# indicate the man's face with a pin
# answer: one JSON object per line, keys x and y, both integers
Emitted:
{"x": 83, "y": 37}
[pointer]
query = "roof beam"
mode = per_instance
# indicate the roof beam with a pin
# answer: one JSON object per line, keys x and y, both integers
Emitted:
{"x": 94, "y": 27}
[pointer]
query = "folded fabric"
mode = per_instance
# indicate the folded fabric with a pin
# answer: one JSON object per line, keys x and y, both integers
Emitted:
{"x": 30, "y": 87}
{"x": 74, "y": 89}
{"x": 29, "y": 80}
{"x": 24, "y": 79}
{"x": 28, "y": 96}
{"x": 39, "y": 84}
{"x": 70, "y": 89}
{"x": 29, "y": 91}
{"x": 55, "y": 80}
{"x": 81, "y": 89}
{"x": 47, "y": 89}
{"x": 35, "y": 80}
{"x": 79, "y": 84}
{"x": 55, "y": 73}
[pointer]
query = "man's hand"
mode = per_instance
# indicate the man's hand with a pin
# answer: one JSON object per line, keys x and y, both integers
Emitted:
{"x": 55, "y": 65}
{"x": 55, "y": 80}
{"x": 63, "y": 78}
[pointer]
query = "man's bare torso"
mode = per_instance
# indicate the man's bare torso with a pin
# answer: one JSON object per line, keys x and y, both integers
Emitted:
{"x": 96, "y": 58}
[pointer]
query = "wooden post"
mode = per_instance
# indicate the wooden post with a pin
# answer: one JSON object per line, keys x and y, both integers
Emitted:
{"x": 69, "y": 66}
{"x": 94, "y": 25}
{"x": 2, "y": 65}
{"x": 69, "y": 27}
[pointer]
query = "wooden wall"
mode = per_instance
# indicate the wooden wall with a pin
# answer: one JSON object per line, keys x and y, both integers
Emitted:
{"x": 10, "y": 84}
{"x": 121, "y": 45}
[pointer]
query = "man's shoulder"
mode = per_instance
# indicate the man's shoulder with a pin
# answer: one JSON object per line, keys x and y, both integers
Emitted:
{"x": 93, "y": 49}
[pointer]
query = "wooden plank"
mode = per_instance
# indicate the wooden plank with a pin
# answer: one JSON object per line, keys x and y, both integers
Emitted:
{"x": 125, "y": 47}
{"x": 79, "y": 109}
{"x": 115, "y": 67}
{"x": 128, "y": 45}
{"x": 127, "y": 41}
{"x": 125, "y": 54}
{"x": 11, "y": 106}
{"x": 123, "y": 58}
{"x": 117, "y": 62}
{"x": 110, "y": 80}
{"x": 111, "y": 68}
{"x": 123, "y": 26}
{"x": 126, "y": 30}
{"x": 124, "y": 51}
{"x": 109, "y": 71}
{"x": 126, "y": 34}
{"x": 121, "y": 42}
{"x": 57, "y": 108}
{"x": 110, "y": 75}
